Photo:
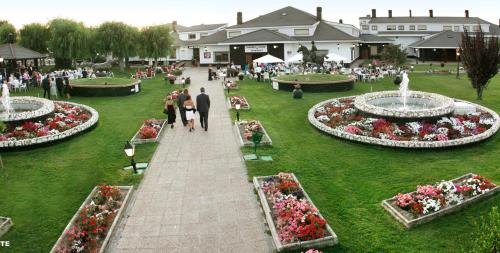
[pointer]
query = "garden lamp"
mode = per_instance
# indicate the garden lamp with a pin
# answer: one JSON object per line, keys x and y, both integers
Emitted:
{"x": 237, "y": 105}
{"x": 458, "y": 63}
{"x": 130, "y": 152}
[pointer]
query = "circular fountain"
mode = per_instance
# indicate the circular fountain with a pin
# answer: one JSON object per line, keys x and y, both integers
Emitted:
{"x": 25, "y": 108}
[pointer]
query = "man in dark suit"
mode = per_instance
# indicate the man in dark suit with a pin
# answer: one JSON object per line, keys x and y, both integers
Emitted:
{"x": 59, "y": 85}
{"x": 203, "y": 105}
{"x": 46, "y": 86}
{"x": 180, "y": 103}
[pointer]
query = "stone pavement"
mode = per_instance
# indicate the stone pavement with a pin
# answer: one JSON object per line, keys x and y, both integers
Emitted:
{"x": 195, "y": 197}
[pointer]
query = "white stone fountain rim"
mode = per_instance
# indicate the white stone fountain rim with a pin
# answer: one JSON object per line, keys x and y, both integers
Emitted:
{"x": 405, "y": 144}
{"x": 46, "y": 107}
{"x": 62, "y": 135}
{"x": 446, "y": 105}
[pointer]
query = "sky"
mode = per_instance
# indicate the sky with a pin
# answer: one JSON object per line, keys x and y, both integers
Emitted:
{"x": 142, "y": 13}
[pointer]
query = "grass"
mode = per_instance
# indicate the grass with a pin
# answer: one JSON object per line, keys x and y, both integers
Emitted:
{"x": 313, "y": 78}
{"x": 104, "y": 80}
{"x": 42, "y": 188}
{"x": 348, "y": 180}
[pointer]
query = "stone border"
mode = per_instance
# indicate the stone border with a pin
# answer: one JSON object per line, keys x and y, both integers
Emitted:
{"x": 446, "y": 105}
{"x": 127, "y": 189}
{"x": 242, "y": 107}
{"x": 50, "y": 138}
{"x": 5, "y": 224}
{"x": 405, "y": 144}
{"x": 403, "y": 217}
{"x": 46, "y": 107}
{"x": 136, "y": 140}
{"x": 266, "y": 140}
{"x": 329, "y": 240}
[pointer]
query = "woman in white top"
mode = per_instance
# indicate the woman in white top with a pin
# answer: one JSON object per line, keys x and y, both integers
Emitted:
{"x": 190, "y": 110}
{"x": 53, "y": 88}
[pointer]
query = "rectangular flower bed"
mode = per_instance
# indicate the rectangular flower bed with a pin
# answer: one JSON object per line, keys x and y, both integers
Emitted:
{"x": 149, "y": 132}
{"x": 232, "y": 85}
{"x": 432, "y": 201}
{"x": 293, "y": 219}
{"x": 243, "y": 102}
{"x": 91, "y": 227}
{"x": 5, "y": 224}
{"x": 247, "y": 128}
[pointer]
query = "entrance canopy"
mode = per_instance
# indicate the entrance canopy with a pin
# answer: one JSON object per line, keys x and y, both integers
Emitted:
{"x": 268, "y": 59}
{"x": 16, "y": 52}
{"x": 335, "y": 57}
{"x": 298, "y": 58}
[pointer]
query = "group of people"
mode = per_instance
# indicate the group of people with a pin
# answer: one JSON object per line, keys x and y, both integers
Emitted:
{"x": 187, "y": 109}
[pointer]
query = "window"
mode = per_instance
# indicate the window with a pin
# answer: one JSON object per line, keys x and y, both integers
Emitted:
{"x": 466, "y": 28}
{"x": 221, "y": 56}
{"x": 374, "y": 27}
{"x": 391, "y": 28}
{"x": 456, "y": 28}
{"x": 192, "y": 36}
{"x": 412, "y": 28}
{"x": 422, "y": 27}
{"x": 476, "y": 28}
{"x": 401, "y": 27}
{"x": 234, "y": 34}
{"x": 365, "y": 27}
{"x": 301, "y": 32}
{"x": 446, "y": 27}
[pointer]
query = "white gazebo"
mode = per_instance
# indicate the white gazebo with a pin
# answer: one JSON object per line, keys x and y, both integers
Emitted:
{"x": 268, "y": 59}
{"x": 335, "y": 58}
{"x": 298, "y": 58}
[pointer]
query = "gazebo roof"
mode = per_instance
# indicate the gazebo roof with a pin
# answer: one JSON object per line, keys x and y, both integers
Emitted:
{"x": 16, "y": 52}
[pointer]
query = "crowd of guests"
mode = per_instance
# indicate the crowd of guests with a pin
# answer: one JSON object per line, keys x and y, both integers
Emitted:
{"x": 372, "y": 73}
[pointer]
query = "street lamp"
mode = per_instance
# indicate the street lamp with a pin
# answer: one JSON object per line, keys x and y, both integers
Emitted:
{"x": 352, "y": 52}
{"x": 237, "y": 106}
{"x": 130, "y": 152}
{"x": 458, "y": 63}
{"x": 416, "y": 51}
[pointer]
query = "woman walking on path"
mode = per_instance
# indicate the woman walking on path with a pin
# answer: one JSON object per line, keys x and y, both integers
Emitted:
{"x": 190, "y": 110}
{"x": 170, "y": 111}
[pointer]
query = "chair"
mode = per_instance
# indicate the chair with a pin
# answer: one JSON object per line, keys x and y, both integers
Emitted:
{"x": 23, "y": 86}
{"x": 373, "y": 78}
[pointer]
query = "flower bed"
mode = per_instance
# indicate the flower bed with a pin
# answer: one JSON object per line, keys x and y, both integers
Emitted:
{"x": 5, "y": 224}
{"x": 247, "y": 128}
{"x": 69, "y": 119}
{"x": 174, "y": 94}
{"x": 150, "y": 131}
{"x": 432, "y": 201}
{"x": 232, "y": 85}
{"x": 92, "y": 226}
{"x": 243, "y": 102}
{"x": 294, "y": 221}
{"x": 340, "y": 117}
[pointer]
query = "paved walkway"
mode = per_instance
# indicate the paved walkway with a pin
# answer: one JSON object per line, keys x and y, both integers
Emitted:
{"x": 195, "y": 197}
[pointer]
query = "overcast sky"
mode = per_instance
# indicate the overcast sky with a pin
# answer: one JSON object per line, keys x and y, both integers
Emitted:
{"x": 189, "y": 12}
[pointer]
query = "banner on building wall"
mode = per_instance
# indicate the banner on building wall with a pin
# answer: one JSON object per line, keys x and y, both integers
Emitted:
{"x": 207, "y": 55}
{"x": 256, "y": 49}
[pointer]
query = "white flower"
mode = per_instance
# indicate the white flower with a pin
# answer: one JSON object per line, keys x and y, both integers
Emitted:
{"x": 470, "y": 125}
{"x": 323, "y": 118}
{"x": 445, "y": 120}
{"x": 442, "y": 130}
{"x": 414, "y": 127}
{"x": 486, "y": 121}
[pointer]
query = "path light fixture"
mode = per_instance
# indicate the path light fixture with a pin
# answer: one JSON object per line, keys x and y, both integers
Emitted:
{"x": 416, "y": 51}
{"x": 458, "y": 63}
{"x": 237, "y": 106}
{"x": 338, "y": 46}
{"x": 130, "y": 152}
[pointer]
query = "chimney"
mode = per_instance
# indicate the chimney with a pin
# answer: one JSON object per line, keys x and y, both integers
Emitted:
{"x": 390, "y": 13}
{"x": 239, "y": 18}
{"x": 319, "y": 13}
{"x": 174, "y": 26}
{"x": 410, "y": 13}
{"x": 431, "y": 13}
{"x": 341, "y": 21}
{"x": 466, "y": 13}
{"x": 374, "y": 13}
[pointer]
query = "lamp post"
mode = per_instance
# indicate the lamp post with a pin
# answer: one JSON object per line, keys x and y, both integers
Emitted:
{"x": 338, "y": 46}
{"x": 237, "y": 106}
{"x": 130, "y": 152}
{"x": 458, "y": 63}
{"x": 416, "y": 51}
{"x": 352, "y": 52}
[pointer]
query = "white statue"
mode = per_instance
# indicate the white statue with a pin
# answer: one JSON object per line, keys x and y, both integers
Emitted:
{"x": 6, "y": 98}
{"x": 404, "y": 89}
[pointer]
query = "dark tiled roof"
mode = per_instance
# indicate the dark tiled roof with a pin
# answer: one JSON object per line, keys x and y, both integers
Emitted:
{"x": 494, "y": 30}
{"x": 370, "y": 38}
{"x": 288, "y": 16}
{"x": 177, "y": 41}
{"x": 326, "y": 32}
{"x": 444, "y": 20}
{"x": 199, "y": 28}
{"x": 445, "y": 39}
{"x": 262, "y": 35}
{"x": 16, "y": 52}
{"x": 210, "y": 39}
{"x": 396, "y": 33}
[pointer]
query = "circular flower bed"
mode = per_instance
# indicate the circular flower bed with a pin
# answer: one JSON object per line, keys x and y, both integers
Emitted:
{"x": 340, "y": 117}
{"x": 69, "y": 119}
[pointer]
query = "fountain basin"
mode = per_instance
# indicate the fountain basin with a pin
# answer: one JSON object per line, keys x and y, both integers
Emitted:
{"x": 26, "y": 108}
{"x": 418, "y": 105}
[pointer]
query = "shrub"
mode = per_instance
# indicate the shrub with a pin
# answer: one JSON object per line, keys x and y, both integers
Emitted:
{"x": 486, "y": 237}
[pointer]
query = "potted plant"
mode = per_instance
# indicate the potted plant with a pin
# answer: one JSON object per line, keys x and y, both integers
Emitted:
{"x": 241, "y": 76}
{"x": 188, "y": 80}
{"x": 171, "y": 78}
{"x": 297, "y": 92}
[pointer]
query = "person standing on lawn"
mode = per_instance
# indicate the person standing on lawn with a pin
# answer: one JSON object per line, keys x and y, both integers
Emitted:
{"x": 46, "y": 86}
{"x": 180, "y": 103}
{"x": 203, "y": 106}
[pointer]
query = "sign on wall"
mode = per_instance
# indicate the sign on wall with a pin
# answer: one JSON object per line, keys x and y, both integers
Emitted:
{"x": 256, "y": 49}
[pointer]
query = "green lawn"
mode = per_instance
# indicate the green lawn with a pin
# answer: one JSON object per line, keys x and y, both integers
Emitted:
{"x": 313, "y": 77}
{"x": 104, "y": 80}
{"x": 348, "y": 180}
{"x": 42, "y": 188}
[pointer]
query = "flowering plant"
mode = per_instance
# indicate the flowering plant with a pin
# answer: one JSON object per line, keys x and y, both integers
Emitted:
{"x": 150, "y": 129}
{"x": 249, "y": 127}
{"x": 174, "y": 94}
{"x": 242, "y": 100}
{"x": 313, "y": 251}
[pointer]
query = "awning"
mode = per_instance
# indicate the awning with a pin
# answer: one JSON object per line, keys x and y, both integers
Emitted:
{"x": 298, "y": 58}
{"x": 16, "y": 52}
{"x": 335, "y": 57}
{"x": 268, "y": 59}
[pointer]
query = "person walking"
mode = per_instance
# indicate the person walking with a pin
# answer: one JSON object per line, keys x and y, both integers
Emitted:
{"x": 170, "y": 111}
{"x": 180, "y": 103}
{"x": 53, "y": 88}
{"x": 210, "y": 75}
{"x": 46, "y": 86}
{"x": 190, "y": 111}
{"x": 203, "y": 105}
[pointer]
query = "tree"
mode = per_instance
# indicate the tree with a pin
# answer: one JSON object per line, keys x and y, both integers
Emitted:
{"x": 118, "y": 39}
{"x": 34, "y": 36}
{"x": 69, "y": 40}
{"x": 156, "y": 42}
{"x": 480, "y": 57}
{"x": 394, "y": 55}
{"x": 6, "y": 29}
